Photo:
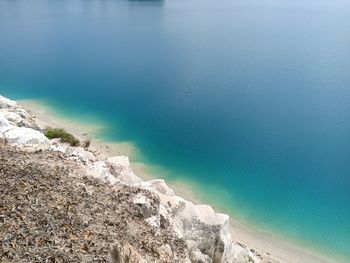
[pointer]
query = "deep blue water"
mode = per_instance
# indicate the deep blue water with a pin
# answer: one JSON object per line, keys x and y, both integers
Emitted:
{"x": 248, "y": 99}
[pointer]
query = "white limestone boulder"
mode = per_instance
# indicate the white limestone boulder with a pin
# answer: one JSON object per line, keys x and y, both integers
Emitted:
{"x": 101, "y": 171}
{"x": 12, "y": 117}
{"x": 197, "y": 256}
{"x": 241, "y": 254}
{"x": 205, "y": 232}
{"x": 22, "y": 113}
{"x": 160, "y": 186}
{"x": 80, "y": 153}
{"x": 20, "y": 136}
{"x": 74, "y": 153}
{"x": 121, "y": 169}
{"x": 57, "y": 146}
{"x": 6, "y": 103}
{"x": 4, "y": 123}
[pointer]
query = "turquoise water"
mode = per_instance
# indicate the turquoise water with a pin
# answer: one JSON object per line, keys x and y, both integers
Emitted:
{"x": 248, "y": 99}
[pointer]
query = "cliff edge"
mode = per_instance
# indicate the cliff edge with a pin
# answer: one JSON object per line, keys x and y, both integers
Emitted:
{"x": 63, "y": 204}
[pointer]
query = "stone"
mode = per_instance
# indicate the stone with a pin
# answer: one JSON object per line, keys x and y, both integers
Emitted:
{"x": 120, "y": 168}
{"x": 12, "y": 117}
{"x": 193, "y": 222}
{"x": 124, "y": 253}
{"x": 20, "y": 136}
{"x": 75, "y": 153}
{"x": 241, "y": 254}
{"x": 144, "y": 205}
{"x": 22, "y": 113}
{"x": 80, "y": 153}
{"x": 100, "y": 171}
{"x": 199, "y": 221}
{"x": 165, "y": 252}
{"x": 160, "y": 186}
{"x": 4, "y": 123}
{"x": 154, "y": 221}
{"x": 6, "y": 103}
{"x": 57, "y": 146}
{"x": 197, "y": 256}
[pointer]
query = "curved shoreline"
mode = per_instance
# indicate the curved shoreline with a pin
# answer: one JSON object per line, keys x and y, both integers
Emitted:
{"x": 270, "y": 246}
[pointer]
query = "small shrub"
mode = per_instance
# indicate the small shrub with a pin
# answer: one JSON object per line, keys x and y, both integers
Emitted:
{"x": 53, "y": 133}
{"x": 87, "y": 143}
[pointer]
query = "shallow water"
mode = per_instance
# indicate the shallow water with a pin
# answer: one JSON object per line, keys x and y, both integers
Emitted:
{"x": 249, "y": 99}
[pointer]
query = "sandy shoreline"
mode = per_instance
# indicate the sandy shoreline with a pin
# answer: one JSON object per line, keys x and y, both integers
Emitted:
{"x": 270, "y": 247}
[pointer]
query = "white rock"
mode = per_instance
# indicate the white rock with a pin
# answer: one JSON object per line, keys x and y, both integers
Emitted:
{"x": 12, "y": 117}
{"x": 120, "y": 167}
{"x": 20, "y": 136}
{"x": 144, "y": 205}
{"x": 153, "y": 221}
{"x": 193, "y": 222}
{"x": 81, "y": 154}
{"x": 4, "y": 123}
{"x": 240, "y": 254}
{"x": 75, "y": 153}
{"x": 7, "y": 103}
{"x": 58, "y": 147}
{"x": 160, "y": 186}
{"x": 164, "y": 213}
{"x": 22, "y": 113}
{"x": 100, "y": 171}
{"x": 197, "y": 256}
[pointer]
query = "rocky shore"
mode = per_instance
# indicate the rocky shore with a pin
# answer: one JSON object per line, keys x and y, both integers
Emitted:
{"x": 64, "y": 204}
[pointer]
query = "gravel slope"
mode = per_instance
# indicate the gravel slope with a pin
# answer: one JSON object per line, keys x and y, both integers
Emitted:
{"x": 47, "y": 214}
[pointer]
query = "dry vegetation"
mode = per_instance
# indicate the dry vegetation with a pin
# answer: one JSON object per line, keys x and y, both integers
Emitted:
{"x": 53, "y": 133}
{"x": 49, "y": 215}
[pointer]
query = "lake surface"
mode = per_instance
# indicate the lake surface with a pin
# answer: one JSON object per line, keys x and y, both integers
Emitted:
{"x": 250, "y": 100}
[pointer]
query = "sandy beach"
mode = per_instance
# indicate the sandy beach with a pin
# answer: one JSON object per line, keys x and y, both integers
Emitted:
{"x": 270, "y": 247}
